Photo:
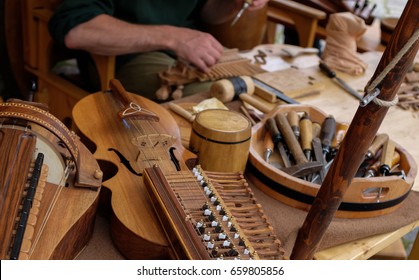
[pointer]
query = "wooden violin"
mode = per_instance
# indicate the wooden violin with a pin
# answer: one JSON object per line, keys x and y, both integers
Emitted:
{"x": 49, "y": 186}
{"x": 131, "y": 133}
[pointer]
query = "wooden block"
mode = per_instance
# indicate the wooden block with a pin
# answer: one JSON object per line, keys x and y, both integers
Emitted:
{"x": 292, "y": 82}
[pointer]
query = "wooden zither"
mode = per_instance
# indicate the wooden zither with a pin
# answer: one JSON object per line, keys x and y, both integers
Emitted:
{"x": 49, "y": 186}
{"x": 211, "y": 215}
{"x": 231, "y": 64}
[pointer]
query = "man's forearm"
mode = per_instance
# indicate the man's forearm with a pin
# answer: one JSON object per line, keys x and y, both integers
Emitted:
{"x": 106, "y": 35}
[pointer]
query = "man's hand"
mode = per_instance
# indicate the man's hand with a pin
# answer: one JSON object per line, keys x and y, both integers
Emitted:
{"x": 198, "y": 48}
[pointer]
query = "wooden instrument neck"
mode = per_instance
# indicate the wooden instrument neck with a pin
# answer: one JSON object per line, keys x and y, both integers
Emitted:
{"x": 131, "y": 108}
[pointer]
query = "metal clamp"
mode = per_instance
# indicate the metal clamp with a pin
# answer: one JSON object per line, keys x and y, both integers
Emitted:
{"x": 369, "y": 97}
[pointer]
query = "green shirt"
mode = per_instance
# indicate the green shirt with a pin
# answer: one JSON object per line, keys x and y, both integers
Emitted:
{"x": 70, "y": 13}
{"x": 182, "y": 13}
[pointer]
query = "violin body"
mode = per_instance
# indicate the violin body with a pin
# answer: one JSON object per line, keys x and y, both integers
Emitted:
{"x": 135, "y": 228}
{"x": 61, "y": 213}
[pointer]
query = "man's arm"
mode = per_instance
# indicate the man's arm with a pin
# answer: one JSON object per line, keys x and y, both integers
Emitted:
{"x": 107, "y": 35}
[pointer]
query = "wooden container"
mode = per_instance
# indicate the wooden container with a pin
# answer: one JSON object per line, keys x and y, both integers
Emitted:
{"x": 221, "y": 139}
{"x": 358, "y": 201}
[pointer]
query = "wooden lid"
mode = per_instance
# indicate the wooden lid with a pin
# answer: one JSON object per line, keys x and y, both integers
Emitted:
{"x": 222, "y": 125}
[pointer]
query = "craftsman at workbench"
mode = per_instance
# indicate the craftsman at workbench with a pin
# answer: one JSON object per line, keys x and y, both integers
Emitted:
{"x": 401, "y": 125}
{"x": 146, "y": 36}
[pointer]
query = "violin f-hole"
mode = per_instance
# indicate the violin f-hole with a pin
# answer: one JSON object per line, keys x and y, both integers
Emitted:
{"x": 125, "y": 162}
{"x": 173, "y": 158}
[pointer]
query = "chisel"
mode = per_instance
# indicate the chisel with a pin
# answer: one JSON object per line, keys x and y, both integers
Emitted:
{"x": 246, "y": 5}
{"x": 332, "y": 74}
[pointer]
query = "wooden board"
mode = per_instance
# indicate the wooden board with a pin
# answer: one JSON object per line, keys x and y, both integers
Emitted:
{"x": 292, "y": 82}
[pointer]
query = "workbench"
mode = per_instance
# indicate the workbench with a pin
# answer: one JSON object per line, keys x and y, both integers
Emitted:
{"x": 400, "y": 125}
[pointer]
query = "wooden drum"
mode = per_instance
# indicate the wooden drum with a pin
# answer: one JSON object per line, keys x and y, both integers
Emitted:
{"x": 221, "y": 139}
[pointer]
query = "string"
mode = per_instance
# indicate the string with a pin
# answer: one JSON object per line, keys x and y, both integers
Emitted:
{"x": 140, "y": 129}
{"x": 373, "y": 84}
{"x": 51, "y": 206}
{"x": 145, "y": 132}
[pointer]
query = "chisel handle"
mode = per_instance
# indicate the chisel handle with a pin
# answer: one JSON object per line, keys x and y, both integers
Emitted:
{"x": 306, "y": 132}
{"x": 326, "y": 69}
{"x": 273, "y": 130}
{"x": 316, "y": 129}
{"x": 340, "y": 132}
{"x": 289, "y": 138}
{"x": 294, "y": 120}
{"x": 387, "y": 154}
{"x": 327, "y": 133}
{"x": 376, "y": 144}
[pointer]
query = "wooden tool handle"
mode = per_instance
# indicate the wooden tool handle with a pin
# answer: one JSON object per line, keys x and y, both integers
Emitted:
{"x": 340, "y": 132}
{"x": 294, "y": 120}
{"x": 316, "y": 129}
{"x": 387, "y": 154}
{"x": 328, "y": 132}
{"x": 268, "y": 142}
{"x": 181, "y": 112}
{"x": 377, "y": 143}
{"x": 290, "y": 139}
{"x": 228, "y": 89}
{"x": 273, "y": 130}
{"x": 254, "y": 102}
{"x": 306, "y": 130}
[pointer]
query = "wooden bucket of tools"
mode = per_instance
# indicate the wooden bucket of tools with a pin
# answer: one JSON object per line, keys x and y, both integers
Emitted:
{"x": 365, "y": 197}
{"x": 221, "y": 139}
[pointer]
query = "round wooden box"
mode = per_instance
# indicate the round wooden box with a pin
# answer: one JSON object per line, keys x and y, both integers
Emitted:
{"x": 221, "y": 139}
{"x": 296, "y": 192}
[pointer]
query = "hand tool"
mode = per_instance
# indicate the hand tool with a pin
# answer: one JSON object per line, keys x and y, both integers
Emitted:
{"x": 269, "y": 146}
{"x": 261, "y": 86}
{"x": 302, "y": 167}
{"x": 257, "y": 103}
{"x": 387, "y": 154}
{"x": 306, "y": 135}
{"x": 316, "y": 129}
{"x": 246, "y": 5}
{"x": 326, "y": 134}
{"x": 278, "y": 141}
{"x": 373, "y": 169}
{"x": 376, "y": 144}
{"x": 332, "y": 74}
{"x": 322, "y": 145}
{"x": 340, "y": 132}
{"x": 318, "y": 155}
{"x": 181, "y": 111}
{"x": 294, "y": 121}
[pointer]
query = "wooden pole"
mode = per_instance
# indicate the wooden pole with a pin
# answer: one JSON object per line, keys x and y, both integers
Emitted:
{"x": 360, "y": 134}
